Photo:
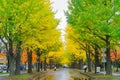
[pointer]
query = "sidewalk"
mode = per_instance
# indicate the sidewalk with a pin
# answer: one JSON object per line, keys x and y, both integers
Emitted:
{"x": 114, "y": 73}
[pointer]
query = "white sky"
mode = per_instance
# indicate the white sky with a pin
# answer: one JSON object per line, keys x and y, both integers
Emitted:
{"x": 59, "y": 6}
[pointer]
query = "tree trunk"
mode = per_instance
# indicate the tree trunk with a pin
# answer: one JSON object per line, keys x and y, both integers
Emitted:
{"x": 26, "y": 65}
{"x": 89, "y": 62}
{"x": 50, "y": 63}
{"x": 45, "y": 64}
{"x": 88, "y": 58}
{"x": 12, "y": 65}
{"x": 18, "y": 58}
{"x": 73, "y": 65}
{"x": 38, "y": 60}
{"x": 10, "y": 55}
{"x": 109, "y": 68}
{"x": 116, "y": 66}
{"x": 41, "y": 65}
{"x": 29, "y": 61}
{"x": 38, "y": 63}
{"x": 8, "y": 60}
{"x": 11, "y": 59}
{"x": 81, "y": 64}
{"x": 96, "y": 59}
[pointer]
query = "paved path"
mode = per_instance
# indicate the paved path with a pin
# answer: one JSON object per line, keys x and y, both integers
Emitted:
{"x": 62, "y": 74}
{"x": 67, "y": 74}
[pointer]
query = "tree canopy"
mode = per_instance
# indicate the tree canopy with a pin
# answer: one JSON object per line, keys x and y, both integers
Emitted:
{"x": 96, "y": 21}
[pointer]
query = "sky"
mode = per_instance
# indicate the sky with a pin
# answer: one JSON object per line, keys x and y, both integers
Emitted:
{"x": 59, "y": 6}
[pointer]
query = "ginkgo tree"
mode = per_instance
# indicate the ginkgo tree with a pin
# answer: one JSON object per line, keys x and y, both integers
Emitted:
{"x": 99, "y": 18}
{"x": 25, "y": 22}
{"x": 87, "y": 44}
{"x": 13, "y": 15}
{"x": 74, "y": 46}
{"x": 59, "y": 57}
{"x": 37, "y": 35}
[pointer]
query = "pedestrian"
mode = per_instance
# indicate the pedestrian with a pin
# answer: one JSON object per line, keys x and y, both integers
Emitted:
{"x": 85, "y": 68}
{"x": 55, "y": 68}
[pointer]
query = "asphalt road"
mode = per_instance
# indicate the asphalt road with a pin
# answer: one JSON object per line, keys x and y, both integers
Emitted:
{"x": 62, "y": 74}
{"x": 66, "y": 74}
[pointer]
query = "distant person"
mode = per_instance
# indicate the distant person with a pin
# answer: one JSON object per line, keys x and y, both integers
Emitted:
{"x": 85, "y": 68}
{"x": 55, "y": 68}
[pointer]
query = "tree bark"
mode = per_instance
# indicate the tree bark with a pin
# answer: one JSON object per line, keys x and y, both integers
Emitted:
{"x": 38, "y": 63}
{"x": 81, "y": 64}
{"x": 109, "y": 68}
{"x": 88, "y": 58}
{"x": 38, "y": 60}
{"x": 50, "y": 63}
{"x": 8, "y": 60}
{"x": 89, "y": 62}
{"x": 41, "y": 65}
{"x": 11, "y": 59}
{"x": 29, "y": 53}
{"x": 18, "y": 58}
{"x": 12, "y": 65}
{"x": 45, "y": 64}
{"x": 96, "y": 59}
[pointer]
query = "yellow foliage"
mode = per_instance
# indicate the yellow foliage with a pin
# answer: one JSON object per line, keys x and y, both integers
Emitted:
{"x": 39, "y": 24}
{"x": 65, "y": 61}
{"x": 73, "y": 44}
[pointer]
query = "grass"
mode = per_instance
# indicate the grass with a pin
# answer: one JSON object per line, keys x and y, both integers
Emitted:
{"x": 105, "y": 76}
{"x": 100, "y": 75}
{"x": 23, "y": 76}
{"x": 4, "y": 73}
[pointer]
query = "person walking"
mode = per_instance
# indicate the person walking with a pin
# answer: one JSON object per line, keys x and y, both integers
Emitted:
{"x": 85, "y": 68}
{"x": 55, "y": 68}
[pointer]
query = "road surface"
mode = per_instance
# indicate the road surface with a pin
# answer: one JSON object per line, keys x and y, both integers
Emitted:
{"x": 62, "y": 74}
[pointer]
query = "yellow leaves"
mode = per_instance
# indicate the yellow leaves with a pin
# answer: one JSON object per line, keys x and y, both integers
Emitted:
{"x": 70, "y": 32}
{"x": 81, "y": 55}
{"x": 31, "y": 43}
{"x": 50, "y": 54}
{"x": 56, "y": 54}
{"x": 40, "y": 23}
{"x": 1, "y": 9}
{"x": 74, "y": 45}
{"x": 75, "y": 50}
{"x": 32, "y": 21}
{"x": 1, "y": 26}
{"x": 5, "y": 3}
{"x": 65, "y": 61}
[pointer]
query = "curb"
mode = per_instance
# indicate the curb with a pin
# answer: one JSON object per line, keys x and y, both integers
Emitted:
{"x": 88, "y": 75}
